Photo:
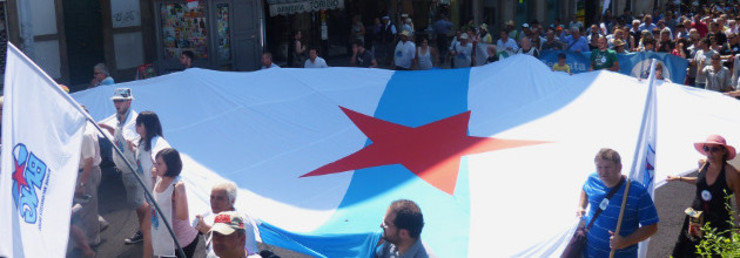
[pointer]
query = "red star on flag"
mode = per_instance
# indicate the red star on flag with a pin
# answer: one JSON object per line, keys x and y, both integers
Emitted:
{"x": 18, "y": 175}
{"x": 431, "y": 151}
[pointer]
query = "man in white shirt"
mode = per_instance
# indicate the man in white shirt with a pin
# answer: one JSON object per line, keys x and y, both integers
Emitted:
{"x": 123, "y": 132}
{"x": 223, "y": 197}
{"x": 462, "y": 52}
{"x": 85, "y": 209}
{"x": 267, "y": 61}
{"x": 314, "y": 60}
{"x": 506, "y": 44}
{"x": 405, "y": 52}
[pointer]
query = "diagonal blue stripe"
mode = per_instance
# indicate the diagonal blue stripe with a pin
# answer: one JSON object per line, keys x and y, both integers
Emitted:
{"x": 413, "y": 99}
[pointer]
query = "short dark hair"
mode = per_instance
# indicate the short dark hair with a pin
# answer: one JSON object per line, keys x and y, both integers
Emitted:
{"x": 189, "y": 54}
{"x": 561, "y": 55}
{"x": 408, "y": 217}
{"x": 172, "y": 159}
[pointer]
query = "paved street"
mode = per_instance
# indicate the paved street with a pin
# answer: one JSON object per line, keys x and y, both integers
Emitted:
{"x": 123, "y": 223}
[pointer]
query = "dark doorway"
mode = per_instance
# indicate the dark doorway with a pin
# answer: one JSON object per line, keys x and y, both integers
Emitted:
{"x": 84, "y": 32}
{"x": 592, "y": 13}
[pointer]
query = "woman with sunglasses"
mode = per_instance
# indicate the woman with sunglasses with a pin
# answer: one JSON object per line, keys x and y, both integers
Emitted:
{"x": 716, "y": 180}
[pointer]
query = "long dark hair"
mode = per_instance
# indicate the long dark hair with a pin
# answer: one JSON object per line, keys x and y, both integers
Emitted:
{"x": 151, "y": 124}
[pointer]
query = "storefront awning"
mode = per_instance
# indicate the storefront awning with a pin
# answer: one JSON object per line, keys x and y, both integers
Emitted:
{"x": 287, "y": 7}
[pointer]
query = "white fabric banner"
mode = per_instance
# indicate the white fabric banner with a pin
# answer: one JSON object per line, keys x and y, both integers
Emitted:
{"x": 40, "y": 156}
{"x": 264, "y": 130}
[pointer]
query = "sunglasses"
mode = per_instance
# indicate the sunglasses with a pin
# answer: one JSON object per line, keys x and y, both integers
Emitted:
{"x": 712, "y": 149}
{"x": 119, "y": 100}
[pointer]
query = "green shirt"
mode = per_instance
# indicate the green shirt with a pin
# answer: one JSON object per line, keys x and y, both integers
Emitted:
{"x": 603, "y": 59}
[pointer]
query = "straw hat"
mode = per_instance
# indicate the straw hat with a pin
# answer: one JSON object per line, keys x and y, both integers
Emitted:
{"x": 618, "y": 43}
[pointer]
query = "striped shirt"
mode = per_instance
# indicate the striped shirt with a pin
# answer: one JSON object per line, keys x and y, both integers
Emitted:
{"x": 639, "y": 210}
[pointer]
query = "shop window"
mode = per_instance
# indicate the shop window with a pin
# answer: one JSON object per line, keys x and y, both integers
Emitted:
{"x": 184, "y": 29}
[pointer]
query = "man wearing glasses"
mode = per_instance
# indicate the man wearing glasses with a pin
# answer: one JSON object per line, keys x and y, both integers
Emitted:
{"x": 124, "y": 133}
{"x": 402, "y": 226}
{"x": 101, "y": 76}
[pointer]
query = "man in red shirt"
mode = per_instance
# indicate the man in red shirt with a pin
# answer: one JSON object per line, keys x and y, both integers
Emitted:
{"x": 700, "y": 26}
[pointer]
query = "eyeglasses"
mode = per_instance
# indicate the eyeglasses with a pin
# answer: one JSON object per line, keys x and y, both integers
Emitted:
{"x": 712, "y": 149}
{"x": 119, "y": 100}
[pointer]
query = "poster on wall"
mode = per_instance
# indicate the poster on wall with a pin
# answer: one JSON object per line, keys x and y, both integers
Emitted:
{"x": 184, "y": 29}
{"x": 222, "y": 28}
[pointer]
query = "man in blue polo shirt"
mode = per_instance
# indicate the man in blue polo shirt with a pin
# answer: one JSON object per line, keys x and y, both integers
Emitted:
{"x": 575, "y": 42}
{"x": 640, "y": 219}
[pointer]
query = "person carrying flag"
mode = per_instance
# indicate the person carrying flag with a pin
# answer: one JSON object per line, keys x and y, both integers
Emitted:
{"x": 640, "y": 220}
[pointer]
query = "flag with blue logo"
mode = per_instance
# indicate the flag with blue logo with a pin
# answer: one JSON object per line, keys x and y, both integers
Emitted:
{"x": 495, "y": 156}
{"x": 643, "y": 165}
{"x": 635, "y": 64}
{"x": 41, "y": 139}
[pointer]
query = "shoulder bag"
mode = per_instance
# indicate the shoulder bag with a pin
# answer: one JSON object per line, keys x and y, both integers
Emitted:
{"x": 578, "y": 241}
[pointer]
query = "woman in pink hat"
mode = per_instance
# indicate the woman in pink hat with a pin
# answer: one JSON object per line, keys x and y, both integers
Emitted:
{"x": 715, "y": 181}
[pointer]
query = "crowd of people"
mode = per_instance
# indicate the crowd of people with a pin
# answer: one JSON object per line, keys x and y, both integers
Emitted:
{"x": 695, "y": 32}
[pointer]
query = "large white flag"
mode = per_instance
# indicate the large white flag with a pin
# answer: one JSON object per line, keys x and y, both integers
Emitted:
{"x": 643, "y": 165}
{"x": 42, "y": 135}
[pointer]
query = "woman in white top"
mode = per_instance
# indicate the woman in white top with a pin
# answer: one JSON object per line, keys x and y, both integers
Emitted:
{"x": 426, "y": 56}
{"x": 169, "y": 193}
{"x": 150, "y": 141}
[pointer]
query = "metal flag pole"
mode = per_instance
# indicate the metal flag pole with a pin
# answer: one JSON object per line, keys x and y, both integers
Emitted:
{"x": 640, "y": 138}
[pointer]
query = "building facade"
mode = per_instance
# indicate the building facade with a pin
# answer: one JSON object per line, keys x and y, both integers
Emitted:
{"x": 68, "y": 37}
